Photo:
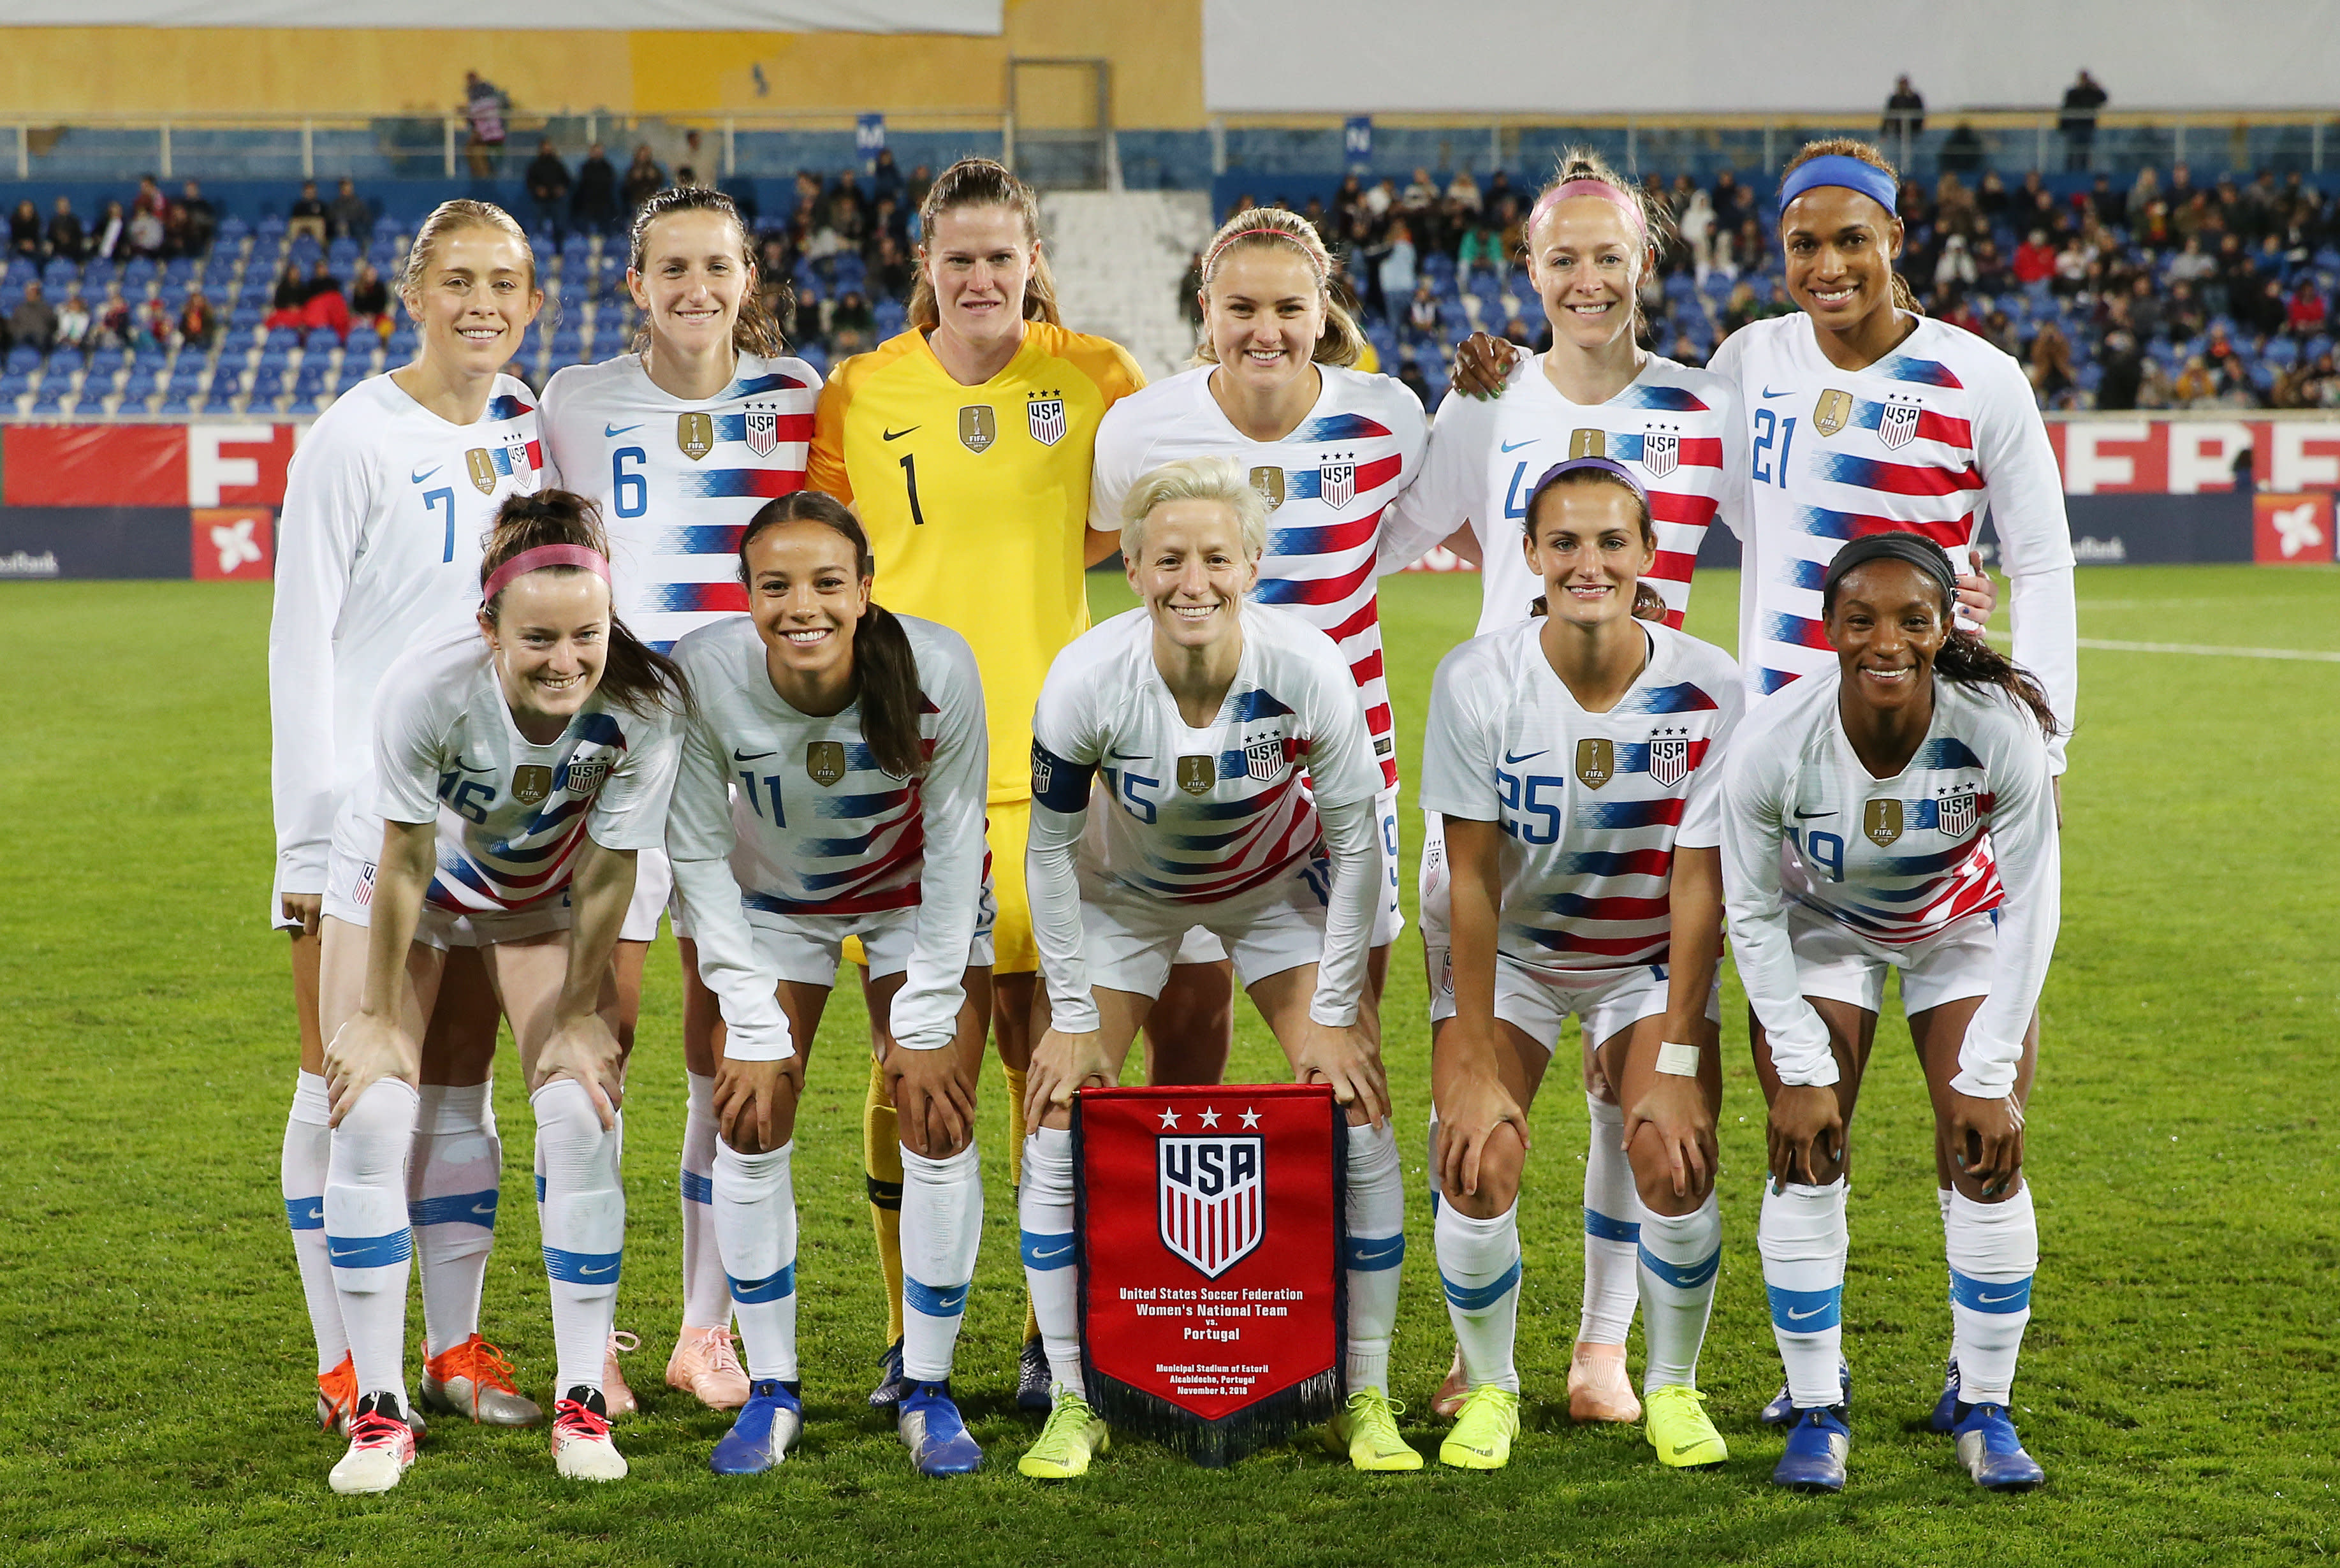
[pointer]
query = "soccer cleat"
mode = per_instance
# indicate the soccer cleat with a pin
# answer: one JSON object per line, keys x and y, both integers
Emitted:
{"x": 1598, "y": 1388}
{"x": 582, "y": 1449}
{"x": 382, "y": 1448}
{"x": 1366, "y": 1431}
{"x": 1945, "y": 1418}
{"x": 769, "y": 1420}
{"x": 937, "y": 1438}
{"x": 1816, "y": 1441}
{"x": 705, "y": 1366}
{"x": 618, "y": 1399}
{"x": 337, "y": 1398}
{"x": 1782, "y": 1408}
{"x": 474, "y": 1379}
{"x": 1453, "y": 1391}
{"x": 1074, "y": 1435}
{"x": 1992, "y": 1454}
{"x": 1679, "y": 1428}
{"x": 1032, "y": 1375}
{"x": 1482, "y": 1433}
{"x": 891, "y": 1383}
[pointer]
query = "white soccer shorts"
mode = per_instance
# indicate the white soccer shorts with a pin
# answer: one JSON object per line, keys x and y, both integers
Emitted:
{"x": 808, "y": 948}
{"x": 348, "y": 897}
{"x": 1846, "y": 967}
{"x": 1129, "y": 938}
{"x": 653, "y": 891}
{"x": 1200, "y": 946}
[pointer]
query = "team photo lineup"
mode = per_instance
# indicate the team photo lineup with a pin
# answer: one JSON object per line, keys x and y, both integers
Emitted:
{"x": 637, "y": 659}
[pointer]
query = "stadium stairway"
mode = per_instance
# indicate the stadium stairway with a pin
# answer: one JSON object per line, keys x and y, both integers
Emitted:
{"x": 1118, "y": 257}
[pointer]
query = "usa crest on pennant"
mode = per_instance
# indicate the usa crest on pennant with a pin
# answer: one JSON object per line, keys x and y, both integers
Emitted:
{"x": 1668, "y": 760}
{"x": 1213, "y": 1205}
{"x": 763, "y": 430}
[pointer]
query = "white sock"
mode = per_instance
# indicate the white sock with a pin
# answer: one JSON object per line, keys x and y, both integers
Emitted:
{"x": 1613, "y": 1229}
{"x": 1045, "y": 1213}
{"x": 942, "y": 1225}
{"x": 584, "y": 1216}
{"x": 1375, "y": 1210}
{"x": 1993, "y": 1250}
{"x": 301, "y": 1172}
{"x": 706, "y": 1297}
{"x": 1680, "y": 1256}
{"x": 1478, "y": 1264}
{"x": 367, "y": 1234}
{"x": 451, "y": 1182}
{"x": 754, "y": 1219}
{"x": 1803, "y": 1240}
{"x": 1429, "y": 1167}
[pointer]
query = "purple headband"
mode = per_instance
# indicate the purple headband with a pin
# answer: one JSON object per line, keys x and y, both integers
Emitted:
{"x": 1560, "y": 470}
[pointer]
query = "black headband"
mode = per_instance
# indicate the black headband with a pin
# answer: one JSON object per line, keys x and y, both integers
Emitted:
{"x": 1914, "y": 548}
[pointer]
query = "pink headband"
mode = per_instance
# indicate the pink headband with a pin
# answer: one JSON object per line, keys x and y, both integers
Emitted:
{"x": 1568, "y": 189}
{"x": 543, "y": 556}
{"x": 1211, "y": 261}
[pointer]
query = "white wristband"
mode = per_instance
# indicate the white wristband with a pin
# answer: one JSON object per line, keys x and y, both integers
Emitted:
{"x": 1678, "y": 1060}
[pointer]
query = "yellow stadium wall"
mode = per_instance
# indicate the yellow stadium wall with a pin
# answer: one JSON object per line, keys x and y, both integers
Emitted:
{"x": 1155, "y": 46}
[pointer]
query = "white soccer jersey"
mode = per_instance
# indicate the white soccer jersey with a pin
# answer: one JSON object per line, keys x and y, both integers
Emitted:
{"x": 780, "y": 815}
{"x": 1330, "y": 483}
{"x": 677, "y": 480}
{"x": 386, "y": 508}
{"x": 1922, "y": 442}
{"x": 1968, "y": 825}
{"x": 1200, "y": 814}
{"x": 1592, "y": 805}
{"x": 1679, "y": 430}
{"x": 512, "y": 814}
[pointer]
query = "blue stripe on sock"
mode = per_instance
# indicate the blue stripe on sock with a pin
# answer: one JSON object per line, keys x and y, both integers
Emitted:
{"x": 305, "y": 1213}
{"x": 1984, "y": 1295}
{"x": 697, "y": 1189}
{"x": 1374, "y": 1253}
{"x": 1601, "y": 1228}
{"x": 933, "y": 1301}
{"x": 1480, "y": 1297}
{"x": 1682, "y": 1276}
{"x": 1806, "y": 1311}
{"x": 1045, "y": 1251}
{"x": 540, "y": 1189}
{"x": 370, "y": 1251}
{"x": 477, "y": 1208}
{"x": 771, "y": 1287}
{"x": 582, "y": 1268}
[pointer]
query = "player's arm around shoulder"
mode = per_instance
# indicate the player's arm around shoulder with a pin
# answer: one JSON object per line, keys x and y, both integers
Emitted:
{"x": 825, "y": 463}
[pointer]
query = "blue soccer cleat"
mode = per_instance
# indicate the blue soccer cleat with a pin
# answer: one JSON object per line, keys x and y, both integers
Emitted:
{"x": 1782, "y": 1409}
{"x": 1992, "y": 1452}
{"x": 891, "y": 1384}
{"x": 937, "y": 1439}
{"x": 766, "y": 1428}
{"x": 1945, "y": 1418}
{"x": 1817, "y": 1442}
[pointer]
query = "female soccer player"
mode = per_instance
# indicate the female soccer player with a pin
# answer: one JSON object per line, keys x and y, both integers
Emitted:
{"x": 389, "y": 497}
{"x": 1897, "y": 812}
{"x": 1576, "y": 759}
{"x": 921, "y": 435}
{"x": 517, "y": 769}
{"x": 1590, "y": 238}
{"x": 704, "y": 420}
{"x": 1230, "y": 700}
{"x": 832, "y": 785}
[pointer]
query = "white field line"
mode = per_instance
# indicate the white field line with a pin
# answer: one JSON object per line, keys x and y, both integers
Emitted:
{"x": 2109, "y": 646}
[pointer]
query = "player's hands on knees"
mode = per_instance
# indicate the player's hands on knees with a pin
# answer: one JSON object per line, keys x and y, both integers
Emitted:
{"x": 1062, "y": 1064}
{"x": 1805, "y": 1135}
{"x": 362, "y": 1052}
{"x": 309, "y": 908}
{"x": 933, "y": 1099}
{"x": 1675, "y": 1108}
{"x": 749, "y": 1097}
{"x": 1346, "y": 1059}
{"x": 585, "y": 1049}
{"x": 1469, "y": 1114}
{"x": 1481, "y": 362}
{"x": 1987, "y": 1141}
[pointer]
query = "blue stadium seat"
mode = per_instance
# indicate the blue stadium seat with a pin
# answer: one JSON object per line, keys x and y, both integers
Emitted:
{"x": 322, "y": 341}
{"x": 23, "y": 359}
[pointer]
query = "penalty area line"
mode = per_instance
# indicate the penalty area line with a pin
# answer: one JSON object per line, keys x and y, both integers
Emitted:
{"x": 2108, "y": 646}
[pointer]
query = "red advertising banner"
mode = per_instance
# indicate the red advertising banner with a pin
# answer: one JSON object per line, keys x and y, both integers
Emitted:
{"x": 234, "y": 544}
{"x": 2291, "y": 529}
{"x": 1212, "y": 1296}
{"x": 2110, "y": 454}
{"x": 197, "y": 465}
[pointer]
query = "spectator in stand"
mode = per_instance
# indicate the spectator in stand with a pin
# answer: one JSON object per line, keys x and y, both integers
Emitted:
{"x": 548, "y": 188}
{"x": 2146, "y": 317}
{"x": 323, "y": 303}
{"x": 307, "y": 213}
{"x": 34, "y": 321}
{"x": 369, "y": 300}
{"x": 1904, "y": 111}
{"x": 25, "y": 231}
{"x": 2191, "y": 266}
{"x": 1481, "y": 246}
{"x": 2051, "y": 366}
{"x": 66, "y": 236}
{"x": 851, "y": 325}
{"x": 2228, "y": 290}
{"x": 2234, "y": 378}
{"x": 110, "y": 324}
{"x": 1999, "y": 331}
{"x": 1410, "y": 376}
{"x": 291, "y": 293}
{"x": 1732, "y": 205}
{"x": 351, "y": 215}
{"x": 2311, "y": 384}
{"x": 1422, "y": 314}
{"x": 1696, "y": 223}
{"x": 1954, "y": 274}
{"x": 73, "y": 319}
{"x": 1463, "y": 200}
{"x": 1992, "y": 274}
{"x": 1379, "y": 200}
{"x": 2071, "y": 279}
{"x": 2123, "y": 367}
{"x": 195, "y": 221}
{"x": 2153, "y": 390}
{"x": 1750, "y": 247}
{"x": 153, "y": 323}
{"x": 2111, "y": 205}
{"x": 485, "y": 106}
{"x": 885, "y": 178}
{"x": 2195, "y": 387}
{"x": 644, "y": 179}
{"x": 1396, "y": 271}
{"x": 2035, "y": 259}
{"x": 1190, "y": 291}
{"x": 2082, "y": 101}
{"x": 148, "y": 232}
{"x": 594, "y": 204}
{"x": 2268, "y": 311}
{"x": 199, "y": 327}
{"x": 2308, "y": 310}
{"x": 2184, "y": 313}
{"x": 1961, "y": 152}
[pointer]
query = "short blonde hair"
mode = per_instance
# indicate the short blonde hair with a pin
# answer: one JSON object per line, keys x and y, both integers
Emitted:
{"x": 1219, "y": 479}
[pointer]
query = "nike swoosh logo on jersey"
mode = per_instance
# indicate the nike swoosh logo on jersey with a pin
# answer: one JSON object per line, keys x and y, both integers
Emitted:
{"x": 1127, "y": 755}
{"x": 610, "y": 429}
{"x": 899, "y": 434}
{"x": 1795, "y": 1316}
{"x": 1511, "y": 762}
{"x": 1802, "y": 815}
{"x": 419, "y": 475}
{"x": 470, "y": 766}
{"x": 741, "y": 756}
{"x": 1769, "y": 393}
{"x": 1515, "y": 445}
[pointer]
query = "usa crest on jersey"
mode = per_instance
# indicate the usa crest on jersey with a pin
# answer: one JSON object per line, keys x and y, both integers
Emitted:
{"x": 1955, "y": 814}
{"x": 1337, "y": 484}
{"x": 1897, "y": 421}
{"x": 1264, "y": 758}
{"x": 1212, "y": 1208}
{"x": 763, "y": 430}
{"x": 1660, "y": 452}
{"x": 1668, "y": 760}
{"x": 584, "y": 777}
{"x": 1046, "y": 415}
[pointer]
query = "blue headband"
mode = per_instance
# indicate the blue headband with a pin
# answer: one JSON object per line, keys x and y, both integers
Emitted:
{"x": 1835, "y": 169}
{"x": 1560, "y": 470}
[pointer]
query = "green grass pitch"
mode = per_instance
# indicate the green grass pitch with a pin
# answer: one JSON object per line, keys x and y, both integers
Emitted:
{"x": 2178, "y": 1381}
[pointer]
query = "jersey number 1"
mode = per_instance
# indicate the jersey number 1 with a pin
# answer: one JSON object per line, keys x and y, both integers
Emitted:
{"x": 910, "y": 479}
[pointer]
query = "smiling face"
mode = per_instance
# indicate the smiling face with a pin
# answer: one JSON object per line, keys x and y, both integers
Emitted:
{"x": 1588, "y": 547}
{"x": 1840, "y": 246}
{"x": 806, "y": 594}
{"x": 1265, "y": 312}
{"x": 1189, "y": 570}
{"x": 551, "y": 635}
{"x": 1585, "y": 259}
{"x": 694, "y": 272}
{"x": 1888, "y": 624}
{"x": 475, "y": 300}
{"x": 979, "y": 260}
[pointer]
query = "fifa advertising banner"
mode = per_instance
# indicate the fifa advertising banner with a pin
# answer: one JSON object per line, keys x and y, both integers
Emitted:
{"x": 1209, "y": 1227}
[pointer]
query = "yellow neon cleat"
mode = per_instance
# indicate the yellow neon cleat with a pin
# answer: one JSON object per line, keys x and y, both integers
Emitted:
{"x": 1678, "y": 1428}
{"x": 1366, "y": 1431}
{"x": 1074, "y": 1435}
{"x": 1482, "y": 1433}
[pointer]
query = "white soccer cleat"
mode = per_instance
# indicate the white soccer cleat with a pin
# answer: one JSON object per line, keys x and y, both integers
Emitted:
{"x": 382, "y": 1448}
{"x": 582, "y": 1449}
